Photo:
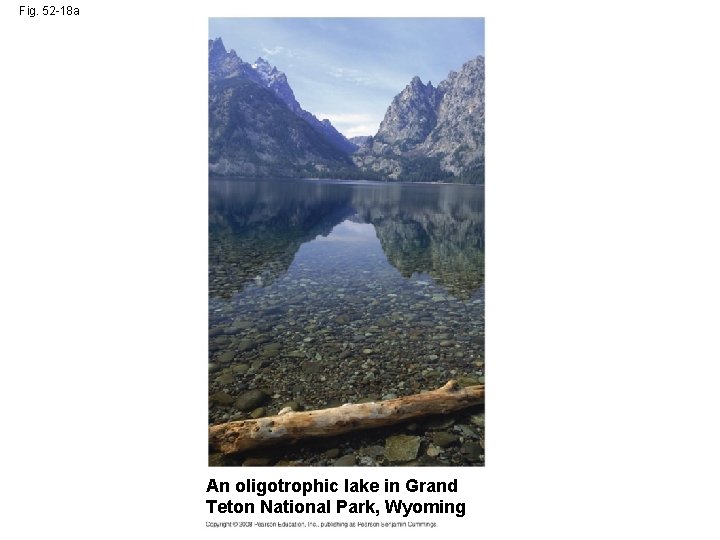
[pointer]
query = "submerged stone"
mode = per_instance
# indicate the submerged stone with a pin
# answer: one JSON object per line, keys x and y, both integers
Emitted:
{"x": 401, "y": 448}
{"x": 221, "y": 398}
{"x": 345, "y": 461}
{"x": 251, "y": 400}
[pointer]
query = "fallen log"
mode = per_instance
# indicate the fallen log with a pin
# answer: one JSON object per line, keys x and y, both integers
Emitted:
{"x": 241, "y": 435}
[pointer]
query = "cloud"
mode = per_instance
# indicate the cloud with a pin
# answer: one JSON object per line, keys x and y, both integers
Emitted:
{"x": 354, "y": 76}
{"x": 360, "y": 129}
{"x": 277, "y": 50}
{"x": 349, "y": 231}
{"x": 353, "y": 124}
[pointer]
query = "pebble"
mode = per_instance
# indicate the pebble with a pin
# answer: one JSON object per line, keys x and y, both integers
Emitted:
{"x": 258, "y": 413}
{"x": 434, "y": 451}
{"x": 221, "y": 398}
{"x": 471, "y": 450}
{"x": 251, "y": 400}
{"x": 400, "y": 448}
{"x": 374, "y": 451}
{"x": 271, "y": 350}
{"x": 245, "y": 345}
{"x": 345, "y": 461}
{"x": 443, "y": 439}
{"x": 292, "y": 405}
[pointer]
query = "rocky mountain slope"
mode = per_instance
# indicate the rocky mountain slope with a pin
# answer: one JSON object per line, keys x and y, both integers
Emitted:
{"x": 257, "y": 127}
{"x": 432, "y": 131}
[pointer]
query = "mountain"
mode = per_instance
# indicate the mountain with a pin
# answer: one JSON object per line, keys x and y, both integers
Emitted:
{"x": 257, "y": 127}
{"x": 277, "y": 82}
{"x": 361, "y": 140}
{"x": 432, "y": 132}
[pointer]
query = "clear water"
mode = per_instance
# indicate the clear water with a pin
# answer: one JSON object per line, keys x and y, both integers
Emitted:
{"x": 330, "y": 292}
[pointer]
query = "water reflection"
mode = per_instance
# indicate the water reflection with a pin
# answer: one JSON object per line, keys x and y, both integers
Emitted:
{"x": 257, "y": 229}
{"x": 327, "y": 293}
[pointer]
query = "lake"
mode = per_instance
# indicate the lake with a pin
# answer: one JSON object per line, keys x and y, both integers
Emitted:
{"x": 324, "y": 292}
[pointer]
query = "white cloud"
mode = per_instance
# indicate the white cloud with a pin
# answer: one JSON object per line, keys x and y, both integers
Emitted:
{"x": 360, "y": 129}
{"x": 353, "y": 76}
{"x": 353, "y": 124}
{"x": 274, "y": 51}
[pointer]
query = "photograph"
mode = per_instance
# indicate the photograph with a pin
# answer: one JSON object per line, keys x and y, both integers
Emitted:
{"x": 346, "y": 241}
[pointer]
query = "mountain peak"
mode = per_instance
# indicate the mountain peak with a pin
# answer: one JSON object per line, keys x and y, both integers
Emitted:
{"x": 266, "y": 70}
{"x": 443, "y": 124}
{"x": 216, "y": 47}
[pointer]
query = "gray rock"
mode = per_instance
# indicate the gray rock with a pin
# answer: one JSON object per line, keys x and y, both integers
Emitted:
{"x": 271, "y": 350}
{"x": 465, "y": 431}
{"x": 342, "y": 319}
{"x": 433, "y": 451}
{"x": 225, "y": 378}
{"x": 373, "y": 451}
{"x": 443, "y": 439}
{"x": 258, "y": 413}
{"x": 217, "y": 331}
{"x": 294, "y": 405}
{"x": 399, "y": 448}
{"x": 240, "y": 368}
{"x": 345, "y": 461}
{"x": 221, "y": 398}
{"x": 465, "y": 380}
{"x": 471, "y": 451}
{"x": 258, "y": 364}
{"x": 251, "y": 399}
{"x": 245, "y": 345}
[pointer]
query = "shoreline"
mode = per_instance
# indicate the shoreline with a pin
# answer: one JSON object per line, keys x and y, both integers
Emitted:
{"x": 212, "y": 178}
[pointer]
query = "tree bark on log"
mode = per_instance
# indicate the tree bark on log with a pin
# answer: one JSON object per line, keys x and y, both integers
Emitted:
{"x": 242, "y": 435}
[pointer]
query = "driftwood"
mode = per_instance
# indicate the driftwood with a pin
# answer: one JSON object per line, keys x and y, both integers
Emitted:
{"x": 244, "y": 435}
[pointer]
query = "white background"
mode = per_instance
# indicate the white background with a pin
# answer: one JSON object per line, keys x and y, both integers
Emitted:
{"x": 602, "y": 272}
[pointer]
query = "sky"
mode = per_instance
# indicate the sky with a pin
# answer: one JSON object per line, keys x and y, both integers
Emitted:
{"x": 349, "y": 70}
